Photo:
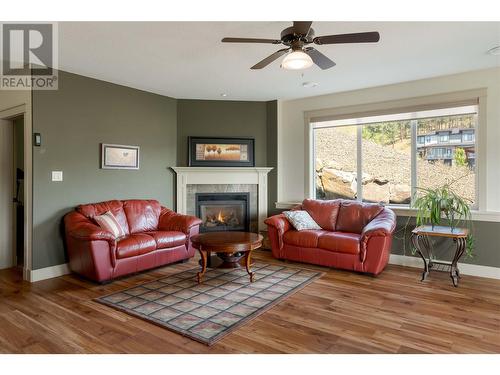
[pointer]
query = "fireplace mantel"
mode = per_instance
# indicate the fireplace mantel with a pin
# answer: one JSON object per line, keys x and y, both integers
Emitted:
{"x": 223, "y": 175}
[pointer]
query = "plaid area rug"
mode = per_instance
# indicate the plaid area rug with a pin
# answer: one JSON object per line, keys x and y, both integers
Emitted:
{"x": 223, "y": 302}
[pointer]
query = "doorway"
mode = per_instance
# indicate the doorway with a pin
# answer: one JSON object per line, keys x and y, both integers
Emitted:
{"x": 12, "y": 192}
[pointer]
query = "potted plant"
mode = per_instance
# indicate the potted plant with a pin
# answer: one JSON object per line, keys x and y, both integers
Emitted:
{"x": 443, "y": 205}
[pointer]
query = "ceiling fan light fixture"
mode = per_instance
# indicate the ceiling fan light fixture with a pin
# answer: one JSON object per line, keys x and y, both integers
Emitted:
{"x": 296, "y": 60}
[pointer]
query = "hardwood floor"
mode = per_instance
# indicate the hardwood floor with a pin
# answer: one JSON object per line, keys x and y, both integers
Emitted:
{"x": 342, "y": 312}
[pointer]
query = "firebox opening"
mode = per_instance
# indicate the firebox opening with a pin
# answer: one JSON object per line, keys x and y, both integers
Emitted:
{"x": 223, "y": 211}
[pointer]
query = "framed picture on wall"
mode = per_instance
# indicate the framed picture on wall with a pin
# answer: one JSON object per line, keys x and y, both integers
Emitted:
{"x": 221, "y": 152}
{"x": 119, "y": 156}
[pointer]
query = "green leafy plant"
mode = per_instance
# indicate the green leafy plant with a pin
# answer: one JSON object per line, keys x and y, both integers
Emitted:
{"x": 460, "y": 157}
{"x": 443, "y": 206}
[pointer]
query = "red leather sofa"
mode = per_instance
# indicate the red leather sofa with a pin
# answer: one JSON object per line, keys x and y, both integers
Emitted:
{"x": 156, "y": 236}
{"x": 355, "y": 236}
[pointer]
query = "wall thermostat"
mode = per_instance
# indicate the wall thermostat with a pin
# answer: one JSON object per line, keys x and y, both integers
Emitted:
{"x": 37, "y": 139}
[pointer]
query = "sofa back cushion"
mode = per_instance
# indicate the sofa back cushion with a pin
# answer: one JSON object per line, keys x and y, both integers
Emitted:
{"x": 353, "y": 216}
{"x": 115, "y": 207}
{"x": 323, "y": 212}
{"x": 142, "y": 215}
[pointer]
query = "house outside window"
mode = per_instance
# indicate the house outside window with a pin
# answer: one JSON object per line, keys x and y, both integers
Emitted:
{"x": 388, "y": 158}
{"x": 468, "y": 136}
{"x": 443, "y": 138}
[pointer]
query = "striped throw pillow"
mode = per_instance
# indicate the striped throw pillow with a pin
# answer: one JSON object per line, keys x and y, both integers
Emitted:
{"x": 107, "y": 221}
{"x": 301, "y": 220}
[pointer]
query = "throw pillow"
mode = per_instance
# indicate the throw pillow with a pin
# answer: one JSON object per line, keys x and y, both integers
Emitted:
{"x": 107, "y": 221}
{"x": 301, "y": 220}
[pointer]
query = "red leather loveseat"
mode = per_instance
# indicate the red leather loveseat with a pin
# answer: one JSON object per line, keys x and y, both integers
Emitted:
{"x": 355, "y": 236}
{"x": 155, "y": 236}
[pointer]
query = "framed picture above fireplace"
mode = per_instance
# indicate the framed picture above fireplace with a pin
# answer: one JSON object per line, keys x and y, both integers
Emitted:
{"x": 221, "y": 152}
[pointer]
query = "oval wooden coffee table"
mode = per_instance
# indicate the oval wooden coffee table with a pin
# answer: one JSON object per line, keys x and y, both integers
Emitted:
{"x": 226, "y": 245}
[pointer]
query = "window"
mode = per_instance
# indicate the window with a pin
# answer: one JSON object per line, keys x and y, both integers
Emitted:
{"x": 389, "y": 158}
{"x": 444, "y": 138}
{"x": 336, "y": 162}
{"x": 468, "y": 136}
{"x": 386, "y": 144}
{"x": 456, "y": 138}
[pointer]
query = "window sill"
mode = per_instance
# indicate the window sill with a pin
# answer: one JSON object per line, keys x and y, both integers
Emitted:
{"x": 490, "y": 216}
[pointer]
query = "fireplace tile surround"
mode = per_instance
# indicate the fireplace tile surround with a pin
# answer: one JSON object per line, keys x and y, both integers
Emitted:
{"x": 252, "y": 180}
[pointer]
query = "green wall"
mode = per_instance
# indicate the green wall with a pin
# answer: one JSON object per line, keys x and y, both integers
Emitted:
{"x": 73, "y": 122}
{"x": 216, "y": 118}
{"x": 487, "y": 245}
{"x": 83, "y": 113}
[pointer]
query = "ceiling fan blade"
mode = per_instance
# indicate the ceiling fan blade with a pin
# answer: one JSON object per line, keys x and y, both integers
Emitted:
{"x": 319, "y": 59}
{"x": 370, "y": 37}
{"x": 269, "y": 59}
{"x": 250, "y": 40}
{"x": 301, "y": 27}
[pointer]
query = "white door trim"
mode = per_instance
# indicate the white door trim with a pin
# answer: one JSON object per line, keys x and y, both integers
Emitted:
{"x": 25, "y": 111}
{"x": 7, "y": 216}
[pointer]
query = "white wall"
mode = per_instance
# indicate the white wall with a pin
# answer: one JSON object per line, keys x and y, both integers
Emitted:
{"x": 291, "y": 128}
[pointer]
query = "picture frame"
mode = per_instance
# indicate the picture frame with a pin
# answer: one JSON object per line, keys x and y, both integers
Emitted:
{"x": 221, "y": 152}
{"x": 119, "y": 156}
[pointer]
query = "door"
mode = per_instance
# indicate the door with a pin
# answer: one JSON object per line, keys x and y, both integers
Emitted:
{"x": 6, "y": 194}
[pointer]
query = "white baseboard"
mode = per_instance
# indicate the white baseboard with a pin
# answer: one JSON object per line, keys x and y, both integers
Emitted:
{"x": 401, "y": 260}
{"x": 465, "y": 268}
{"x": 49, "y": 272}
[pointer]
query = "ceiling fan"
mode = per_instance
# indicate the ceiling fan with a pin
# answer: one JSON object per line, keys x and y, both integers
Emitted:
{"x": 297, "y": 38}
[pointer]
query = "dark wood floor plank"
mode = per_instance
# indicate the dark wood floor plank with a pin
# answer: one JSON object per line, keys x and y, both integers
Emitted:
{"x": 341, "y": 312}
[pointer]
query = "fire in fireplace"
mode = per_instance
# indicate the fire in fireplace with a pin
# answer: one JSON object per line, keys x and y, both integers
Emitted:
{"x": 223, "y": 211}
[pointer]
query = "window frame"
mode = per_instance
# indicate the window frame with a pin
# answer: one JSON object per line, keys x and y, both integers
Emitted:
{"x": 442, "y": 101}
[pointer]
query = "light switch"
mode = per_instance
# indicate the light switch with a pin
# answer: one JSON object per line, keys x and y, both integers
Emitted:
{"x": 57, "y": 176}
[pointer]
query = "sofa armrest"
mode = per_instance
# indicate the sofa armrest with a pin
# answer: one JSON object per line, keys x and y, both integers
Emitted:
{"x": 172, "y": 221}
{"x": 278, "y": 225}
{"x": 91, "y": 249}
{"x": 383, "y": 225}
{"x": 280, "y": 222}
{"x": 81, "y": 228}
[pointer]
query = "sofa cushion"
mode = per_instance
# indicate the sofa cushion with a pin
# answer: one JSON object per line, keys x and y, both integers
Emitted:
{"x": 323, "y": 212}
{"x": 115, "y": 207}
{"x": 166, "y": 239}
{"x": 142, "y": 215}
{"x": 353, "y": 216}
{"x": 301, "y": 220}
{"x": 304, "y": 238}
{"x": 340, "y": 242}
{"x": 135, "y": 244}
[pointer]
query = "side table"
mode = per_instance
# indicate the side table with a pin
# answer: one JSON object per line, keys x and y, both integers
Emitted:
{"x": 420, "y": 239}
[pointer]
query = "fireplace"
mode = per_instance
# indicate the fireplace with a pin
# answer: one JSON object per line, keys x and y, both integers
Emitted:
{"x": 223, "y": 211}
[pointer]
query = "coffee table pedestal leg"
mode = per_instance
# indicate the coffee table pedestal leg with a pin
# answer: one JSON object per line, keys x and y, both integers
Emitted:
{"x": 248, "y": 264}
{"x": 200, "y": 274}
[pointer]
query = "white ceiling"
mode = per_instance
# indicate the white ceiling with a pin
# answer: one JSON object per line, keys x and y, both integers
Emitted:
{"x": 187, "y": 59}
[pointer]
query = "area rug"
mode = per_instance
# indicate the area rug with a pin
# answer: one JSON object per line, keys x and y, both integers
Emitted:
{"x": 223, "y": 302}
